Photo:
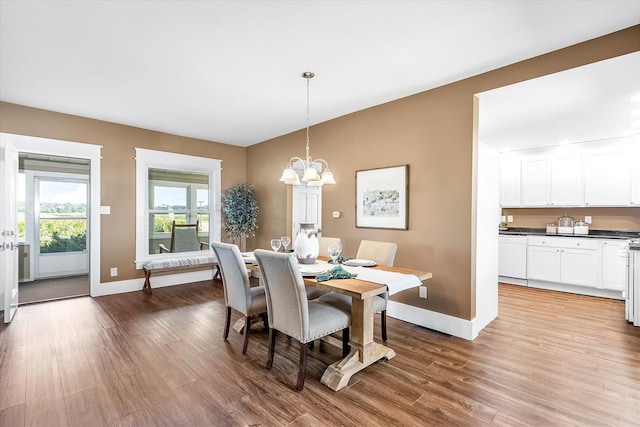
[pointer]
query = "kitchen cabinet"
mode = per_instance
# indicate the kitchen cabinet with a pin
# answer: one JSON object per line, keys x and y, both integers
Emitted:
{"x": 571, "y": 261}
{"x": 614, "y": 265}
{"x": 512, "y": 257}
{"x": 535, "y": 181}
{"x": 607, "y": 178}
{"x": 635, "y": 177}
{"x": 510, "y": 181}
{"x": 567, "y": 188}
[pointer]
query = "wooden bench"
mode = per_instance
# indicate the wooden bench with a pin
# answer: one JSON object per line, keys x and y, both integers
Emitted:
{"x": 175, "y": 264}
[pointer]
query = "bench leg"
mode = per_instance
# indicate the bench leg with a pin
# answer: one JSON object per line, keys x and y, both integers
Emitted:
{"x": 147, "y": 282}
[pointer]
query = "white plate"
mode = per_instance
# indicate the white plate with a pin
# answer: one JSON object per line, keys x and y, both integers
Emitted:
{"x": 360, "y": 263}
{"x": 248, "y": 257}
{"x": 313, "y": 269}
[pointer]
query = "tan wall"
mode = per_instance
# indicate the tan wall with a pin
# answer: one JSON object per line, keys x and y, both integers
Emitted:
{"x": 118, "y": 170}
{"x": 432, "y": 132}
{"x": 623, "y": 219}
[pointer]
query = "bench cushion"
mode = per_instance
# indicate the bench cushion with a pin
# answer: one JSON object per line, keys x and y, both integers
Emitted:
{"x": 183, "y": 262}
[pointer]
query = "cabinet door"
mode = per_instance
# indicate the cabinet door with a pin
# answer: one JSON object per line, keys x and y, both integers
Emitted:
{"x": 535, "y": 182}
{"x": 543, "y": 263}
{"x": 566, "y": 180}
{"x": 635, "y": 177}
{"x": 510, "y": 181}
{"x": 607, "y": 178}
{"x": 512, "y": 258}
{"x": 614, "y": 265}
{"x": 307, "y": 207}
{"x": 580, "y": 267}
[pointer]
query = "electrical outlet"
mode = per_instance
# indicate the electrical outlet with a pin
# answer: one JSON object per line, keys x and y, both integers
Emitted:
{"x": 423, "y": 292}
{"x": 587, "y": 219}
{"x": 510, "y": 218}
{"x": 503, "y": 218}
{"x": 114, "y": 271}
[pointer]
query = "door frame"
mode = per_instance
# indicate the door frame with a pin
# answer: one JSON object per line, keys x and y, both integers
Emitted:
{"x": 91, "y": 152}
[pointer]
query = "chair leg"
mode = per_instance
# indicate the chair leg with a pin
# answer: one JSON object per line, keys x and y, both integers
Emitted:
{"x": 227, "y": 324}
{"x": 383, "y": 324}
{"x": 311, "y": 345}
{"x": 302, "y": 370}
{"x": 265, "y": 321}
{"x": 346, "y": 348}
{"x": 247, "y": 326}
{"x": 272, "y": 347}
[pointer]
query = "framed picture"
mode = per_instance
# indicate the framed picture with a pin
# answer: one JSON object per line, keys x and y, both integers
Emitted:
{"x": 382, "y": 198}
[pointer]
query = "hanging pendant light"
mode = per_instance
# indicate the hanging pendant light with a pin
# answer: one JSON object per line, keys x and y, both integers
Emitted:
{"x": 310, "y": 174}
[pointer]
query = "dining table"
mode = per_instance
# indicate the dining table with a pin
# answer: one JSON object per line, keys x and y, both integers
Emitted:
{"x": 364, "y": 350}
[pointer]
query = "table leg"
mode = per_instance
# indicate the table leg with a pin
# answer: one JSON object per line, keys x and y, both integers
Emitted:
{"x": 364, "y": 351}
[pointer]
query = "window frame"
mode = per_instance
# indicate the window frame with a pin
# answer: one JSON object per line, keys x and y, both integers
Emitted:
{"x": 152, "y": 159}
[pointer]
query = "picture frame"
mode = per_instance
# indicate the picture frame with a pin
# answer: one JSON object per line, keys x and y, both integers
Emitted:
{"x": 382, "y": 198}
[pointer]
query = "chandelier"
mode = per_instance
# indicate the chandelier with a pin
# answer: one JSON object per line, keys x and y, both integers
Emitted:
{"x": 310, "y": 175}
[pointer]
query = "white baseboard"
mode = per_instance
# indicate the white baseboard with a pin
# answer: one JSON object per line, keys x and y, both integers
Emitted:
{"x": 430, "y": 319}
{"x": 580, "y": 290}
{"x": 512, "y": 280}
{"x": 159, "y": 281}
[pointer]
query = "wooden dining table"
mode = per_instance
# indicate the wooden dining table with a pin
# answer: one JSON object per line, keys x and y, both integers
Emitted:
{"x": 364, "y": 350}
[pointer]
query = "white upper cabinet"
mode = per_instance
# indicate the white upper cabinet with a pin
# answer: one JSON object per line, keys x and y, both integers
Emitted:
{"x": 510, "y": 181}
{"x": 602, "y": 173}
{"x": 635, "y": 176}
{"x": 567, "y": 187}
{"x": 535, "y": 181}
{"x": 607, "y": 178}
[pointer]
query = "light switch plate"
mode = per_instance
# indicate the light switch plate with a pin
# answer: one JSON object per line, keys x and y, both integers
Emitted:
{"x": 105, "y": 210}
{"x": 587, "y": 219}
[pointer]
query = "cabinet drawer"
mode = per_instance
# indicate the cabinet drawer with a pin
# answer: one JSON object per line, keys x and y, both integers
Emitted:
{"x": 564, "y": 242}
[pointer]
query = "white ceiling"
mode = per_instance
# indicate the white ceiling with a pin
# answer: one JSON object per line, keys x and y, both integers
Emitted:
{"x": 229, "y": 71}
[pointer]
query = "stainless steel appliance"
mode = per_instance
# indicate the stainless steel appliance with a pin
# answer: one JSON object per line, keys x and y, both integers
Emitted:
{"x": 632, "y": 294}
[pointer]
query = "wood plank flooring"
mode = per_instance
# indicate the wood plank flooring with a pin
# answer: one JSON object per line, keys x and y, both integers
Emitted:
{"x": 549, "y": 359}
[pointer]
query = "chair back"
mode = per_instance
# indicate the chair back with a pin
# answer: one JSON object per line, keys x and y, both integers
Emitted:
{"x": 383, "y": 253}
{"x": 325, "y": 242}
{"x": 287, "y": 304}
{"x": 235, "y": 278}
{"x": 184, "y": 237}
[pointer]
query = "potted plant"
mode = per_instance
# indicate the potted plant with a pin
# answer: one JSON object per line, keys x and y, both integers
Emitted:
{"x": 503, "y": 226}
{"x": 240, "y": 210}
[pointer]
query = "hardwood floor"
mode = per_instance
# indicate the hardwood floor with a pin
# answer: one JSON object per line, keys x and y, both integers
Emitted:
{"x": 550, "y": 359}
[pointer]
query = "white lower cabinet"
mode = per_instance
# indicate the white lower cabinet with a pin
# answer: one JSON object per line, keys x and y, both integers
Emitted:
{"x": 614, "y": 265}
{"x": 571, "y": 261}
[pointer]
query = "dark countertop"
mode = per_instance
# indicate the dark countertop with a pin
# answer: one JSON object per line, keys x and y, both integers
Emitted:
{"x": 598, "y": 234}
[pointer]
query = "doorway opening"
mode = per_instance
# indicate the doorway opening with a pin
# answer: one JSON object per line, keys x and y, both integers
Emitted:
{"x": 53, "y": 224}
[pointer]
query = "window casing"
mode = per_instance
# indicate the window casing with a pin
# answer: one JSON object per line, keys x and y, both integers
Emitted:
{"x": 174, "y": 187}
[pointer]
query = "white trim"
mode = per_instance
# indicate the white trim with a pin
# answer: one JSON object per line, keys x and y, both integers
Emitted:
{"x": 159, "y": 281}
{"x": 512, "y": 280}
{"x": 165, "y": 160}
{"x": 54, "y": 147}
{"x": 433, "y": 320}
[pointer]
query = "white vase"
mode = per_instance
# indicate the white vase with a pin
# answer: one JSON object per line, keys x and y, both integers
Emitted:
{"x": 306, "y": 246}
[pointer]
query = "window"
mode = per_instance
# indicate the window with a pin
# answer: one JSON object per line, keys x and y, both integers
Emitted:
{"x": 62, "y": 215}
{"x": 174, "y": 187}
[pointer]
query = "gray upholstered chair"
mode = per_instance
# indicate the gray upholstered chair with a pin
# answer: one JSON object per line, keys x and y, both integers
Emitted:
{"x": 383, "y": 253}
{"x": 184, "y": 238}
{"x": 324, "y": 242}
{"x": 291, "y": 313}
{"x": 238, "y": 294}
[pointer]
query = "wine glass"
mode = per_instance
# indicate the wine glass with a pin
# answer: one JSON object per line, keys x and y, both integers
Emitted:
{"x": 334, "y": 250}
{"x": 275, "y": 244}
{"x": 285, "y": 242}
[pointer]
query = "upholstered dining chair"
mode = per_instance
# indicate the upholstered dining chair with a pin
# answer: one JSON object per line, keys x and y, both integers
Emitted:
{"x": 325, "y": 242}
{"x": 184, "y": 238}
{"x": 382, "y": 253}
{"x": 291, "y": 313}
{"x": 238, "y": 294}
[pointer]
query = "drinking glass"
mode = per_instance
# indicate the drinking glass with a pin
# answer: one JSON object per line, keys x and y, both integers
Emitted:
{"x": 285, "y": 242}
{"x": 334, "y": 250}
{"x": 275, "y": 244}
